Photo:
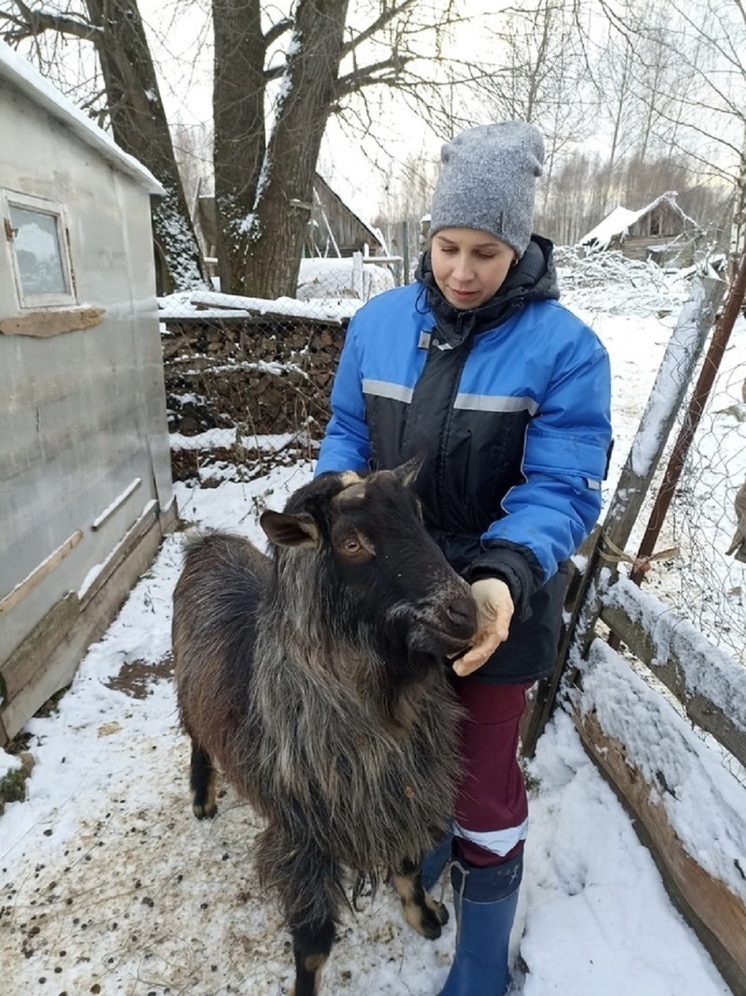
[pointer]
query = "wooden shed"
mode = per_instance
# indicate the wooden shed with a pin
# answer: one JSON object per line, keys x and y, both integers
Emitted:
{"x": 335, "y": 229}
{"x": 85, "y": 478}
{"x": 660, "y": 231}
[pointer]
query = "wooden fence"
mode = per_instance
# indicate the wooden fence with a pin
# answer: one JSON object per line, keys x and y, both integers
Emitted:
{"x": 664, "y": 720}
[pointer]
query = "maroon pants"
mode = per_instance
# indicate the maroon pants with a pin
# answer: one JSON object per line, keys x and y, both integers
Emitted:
{"x": 491, "y": 818}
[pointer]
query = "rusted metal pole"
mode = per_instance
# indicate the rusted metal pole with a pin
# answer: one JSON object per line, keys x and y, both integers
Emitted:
{"x": 710, "y": 367}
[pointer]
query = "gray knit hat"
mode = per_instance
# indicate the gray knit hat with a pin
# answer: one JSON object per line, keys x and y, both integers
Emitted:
{"x": 487, "y": 181}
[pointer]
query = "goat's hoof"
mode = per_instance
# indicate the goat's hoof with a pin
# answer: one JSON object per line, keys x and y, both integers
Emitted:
{"x": 204, "y": 812}
{"x": 433, "y": 915}
{"x": 438, "y": 909}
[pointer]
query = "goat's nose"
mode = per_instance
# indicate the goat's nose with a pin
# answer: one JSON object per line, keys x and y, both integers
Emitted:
{"x": 462, "y": 613}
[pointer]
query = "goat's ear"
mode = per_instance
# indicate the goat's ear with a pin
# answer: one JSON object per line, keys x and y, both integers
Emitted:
{"x": 289, "y": 530}
{"x": 407, "y": 472}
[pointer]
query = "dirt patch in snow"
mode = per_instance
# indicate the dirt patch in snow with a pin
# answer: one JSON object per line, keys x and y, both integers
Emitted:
{"x": 136, "y": 677}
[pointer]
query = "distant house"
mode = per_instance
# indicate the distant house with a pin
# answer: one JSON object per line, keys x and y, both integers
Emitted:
{"x": 333, "y": 229}
{"x": 660, "y": 231}
{"x": 85, "y": 474}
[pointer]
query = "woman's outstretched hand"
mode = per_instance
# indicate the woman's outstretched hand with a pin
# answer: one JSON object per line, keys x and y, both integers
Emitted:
{"x": 494, "y": 612}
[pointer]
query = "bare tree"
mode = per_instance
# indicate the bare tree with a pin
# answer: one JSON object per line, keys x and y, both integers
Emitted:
{"x": 135, "y": 112}
{"x": 539, "y": 76}
{"x": 330, "y": 60}
{"x": 406, "y": 203}
{"x": 193, "y": 144}
{"x": 278, "y": 78}
{"x": 703, "y": 102}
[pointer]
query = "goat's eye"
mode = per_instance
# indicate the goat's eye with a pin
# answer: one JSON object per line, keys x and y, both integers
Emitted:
{"x": 354, "y": 548}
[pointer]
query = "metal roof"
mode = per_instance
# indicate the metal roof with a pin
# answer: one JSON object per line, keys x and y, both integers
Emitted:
{"x": 29, "y": 81}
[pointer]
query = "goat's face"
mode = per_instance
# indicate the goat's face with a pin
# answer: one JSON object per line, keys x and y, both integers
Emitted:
{"x": 378, "y": 572}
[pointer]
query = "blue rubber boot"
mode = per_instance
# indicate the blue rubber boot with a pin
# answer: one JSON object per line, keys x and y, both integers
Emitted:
{"x": 435, "y": 861}
{"x": 486, "y": 900}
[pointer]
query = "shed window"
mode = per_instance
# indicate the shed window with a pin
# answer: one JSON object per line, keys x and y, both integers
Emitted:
{"x": 36, "y": 235}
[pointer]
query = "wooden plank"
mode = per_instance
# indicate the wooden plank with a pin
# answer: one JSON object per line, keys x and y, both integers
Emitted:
{"x": 39, "y": 573}
{"x": 672, "y": 672}
{"x": 45, "y": 324}
{"x": 168, "y": 518}
{"x": 121, "y": 551}
{"x": 94, "y": 619}
{"x": 717, "y": 916}
{"x": 27, "y": 662}
{"x": 107, "y": 513}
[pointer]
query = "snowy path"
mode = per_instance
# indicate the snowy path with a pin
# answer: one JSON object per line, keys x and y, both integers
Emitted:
{"x": 110, "y": 886}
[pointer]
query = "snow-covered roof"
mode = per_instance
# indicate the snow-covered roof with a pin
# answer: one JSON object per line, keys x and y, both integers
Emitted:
{"x": 30, "y": 82}
{"x": 621, "y": 220}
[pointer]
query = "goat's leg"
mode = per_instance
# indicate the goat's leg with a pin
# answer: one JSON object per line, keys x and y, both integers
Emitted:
{"x": 311, "y": 945}
{"x": 202, "y": 779}
{"x": 310, "y": 893}
{"x": 423, "y": 913}
{"x": 312, "y": 904}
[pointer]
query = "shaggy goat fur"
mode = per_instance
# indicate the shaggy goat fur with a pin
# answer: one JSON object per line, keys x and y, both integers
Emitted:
{"x": 316, "y": 681}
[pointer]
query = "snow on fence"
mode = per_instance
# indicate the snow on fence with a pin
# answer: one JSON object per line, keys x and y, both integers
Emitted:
{"x": 665, "y": 718}
{"x": 666, "y": 724}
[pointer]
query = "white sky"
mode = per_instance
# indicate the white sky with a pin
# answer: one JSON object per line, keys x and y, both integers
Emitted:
{"x": 108, "y": 880}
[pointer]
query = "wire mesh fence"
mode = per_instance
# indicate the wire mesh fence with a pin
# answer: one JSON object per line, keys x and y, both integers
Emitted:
{"x": 702, "y": 582}
{"x": 706, "y": 518}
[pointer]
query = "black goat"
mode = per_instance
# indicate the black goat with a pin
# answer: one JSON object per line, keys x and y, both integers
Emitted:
{"x": 316, "y": 681}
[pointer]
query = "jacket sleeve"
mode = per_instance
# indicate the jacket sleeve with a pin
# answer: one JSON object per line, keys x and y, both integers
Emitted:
{"x": 346, "y": 445}
{"x": 554, "y": 508}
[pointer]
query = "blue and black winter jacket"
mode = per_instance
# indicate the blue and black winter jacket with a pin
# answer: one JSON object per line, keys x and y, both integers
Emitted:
{"x": 511, "y": 404}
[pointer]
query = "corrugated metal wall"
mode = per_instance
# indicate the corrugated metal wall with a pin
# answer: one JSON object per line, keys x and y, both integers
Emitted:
{"x": 82, "y": 414}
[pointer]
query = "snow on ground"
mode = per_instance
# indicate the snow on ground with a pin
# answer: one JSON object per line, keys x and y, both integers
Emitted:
{"x": 109, "y": 885}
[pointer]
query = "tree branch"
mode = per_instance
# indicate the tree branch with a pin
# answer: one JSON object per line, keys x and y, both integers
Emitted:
{"x": 355, "y": 81}
{"x": 33, "y": 23}
{"x": 380, "y": 22}
{"x": 278, "y": 30}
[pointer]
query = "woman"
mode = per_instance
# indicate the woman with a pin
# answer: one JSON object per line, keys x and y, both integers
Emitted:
{"x": 507, "y": 392}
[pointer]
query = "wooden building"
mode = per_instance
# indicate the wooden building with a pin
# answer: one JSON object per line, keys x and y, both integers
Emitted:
{"x": 660, "y": 231}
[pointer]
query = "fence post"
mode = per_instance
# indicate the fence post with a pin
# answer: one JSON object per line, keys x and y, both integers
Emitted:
{"x": 358, "y": 286}
{"x": 710, "y": 367}
{"x": 405, "y": 252}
